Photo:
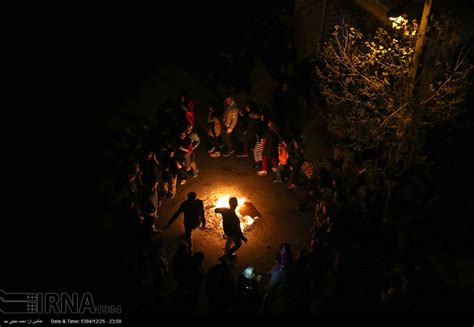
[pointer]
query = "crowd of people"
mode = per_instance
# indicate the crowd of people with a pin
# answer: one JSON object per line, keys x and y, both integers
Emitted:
{"x": 348, "y": 238}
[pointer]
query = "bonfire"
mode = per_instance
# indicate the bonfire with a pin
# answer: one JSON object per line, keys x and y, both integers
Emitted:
{"x": 214, "y": 220}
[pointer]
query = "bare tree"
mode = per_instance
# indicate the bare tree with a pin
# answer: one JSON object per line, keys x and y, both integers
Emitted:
{"x": 377, "y": 102}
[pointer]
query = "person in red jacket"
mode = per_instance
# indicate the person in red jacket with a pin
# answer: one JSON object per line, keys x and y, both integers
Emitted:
{"x": 187, "y": 107}
{"x": 283, "y": 156}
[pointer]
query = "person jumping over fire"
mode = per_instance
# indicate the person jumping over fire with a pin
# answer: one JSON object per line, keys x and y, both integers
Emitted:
{"x": 232, "y": 230}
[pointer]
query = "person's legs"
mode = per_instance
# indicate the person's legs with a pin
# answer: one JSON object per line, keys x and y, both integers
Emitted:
{"x": 225, "y": 142}
{"x": 279, "y": 173}
{"x": 183, "y": 175}
{"x": 239, "y": 137}
{"x": 237, "y": 245}
{"x": 212, "y": 143}
{"x": 194, "y": 169}
{"x": 188, "y": 235}
{"x": 274, "y": 163}
{"x": 292, "y": 179}
{"x": 174, "y": 180}
{"x": 167, "y": 180}
{"x": 187, "y": 162}
{"x": 227, "y": 244}
{"x": 263, "y": 172}
{"x": 245, "y": 145}
{"x": 228, "y": 143}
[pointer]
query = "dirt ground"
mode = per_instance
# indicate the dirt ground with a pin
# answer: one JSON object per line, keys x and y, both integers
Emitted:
{"x": 279, "y": 220}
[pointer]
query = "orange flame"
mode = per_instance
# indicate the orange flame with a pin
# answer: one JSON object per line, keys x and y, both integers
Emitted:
{"x": 245, "y": 221}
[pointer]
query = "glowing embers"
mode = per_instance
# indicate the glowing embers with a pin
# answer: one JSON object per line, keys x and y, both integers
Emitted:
{"x": 245, "y": 211}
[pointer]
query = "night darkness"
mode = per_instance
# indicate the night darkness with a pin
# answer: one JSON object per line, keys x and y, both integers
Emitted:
{"x": 128, "y": 62}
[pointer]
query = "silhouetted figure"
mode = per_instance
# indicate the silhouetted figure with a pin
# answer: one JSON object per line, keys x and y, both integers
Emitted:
{"x": 194, "y": 215}
{"x": 286, "y": 255}
{"x": 248, "y": 296}
{"x": 159, "y": 263}
{"x": 133, "y": 189}
{"x": 172, "y": 167}
{"x": 271, "y": 290}
{"x": 275, "y": 274}
{"x": 232, "y": 229}
{"x": 180, "y": 262}
{"x": 219, "y": 288}
{"x": 296, "y": 161}
{"x": 393, "y": 295}
{"x": 299, "y": 283}
{"x": 194, "y": 276}
{"x": 312, "y": 187}
{"x": 150, "y": 168}
{"x": 150, "y": 197}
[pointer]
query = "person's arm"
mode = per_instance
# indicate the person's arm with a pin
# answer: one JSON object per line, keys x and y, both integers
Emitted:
{"x": 219, "y": 210}
{"x": 175, "y": 215}
{"x": 234, "y": 117}
{"x": 196, "y": 140}
{"x": 215, "y": 121}
{"x": 254, "y": 116}
{"x": 226, "y": 118}
{"x": 183, "y": 149}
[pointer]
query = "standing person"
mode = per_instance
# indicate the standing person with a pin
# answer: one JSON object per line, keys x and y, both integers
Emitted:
{"x": 312, "y": 188}
{"x": 258, "y": 151}
{"x": 246, "y": 129}
{"x": 133, "y": 190}
{"x": 240, "y": 132}
{"x": 172, "y": 167}
{"x": 151, "y": 198}
{"x": 231, "y": 116}
{"x": 180, "y": 263}
{"x": 248, "y": 295}
{"x": 232, "y": 229}
{"x": 185, "y": 148}
{"x": 214, "y": 132}
{"x": 150, "y": 167}
{"x": 195, "y": 141}
{"x": 187, "y": 105}
{"x": 296, "y": 161}
{"x": 219, "y": 288}
{"x": 270, "y": 150}
{"x": 282, "y": 161}
{"x": 193, "y": 210}
{"x": 183, "y": 155}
